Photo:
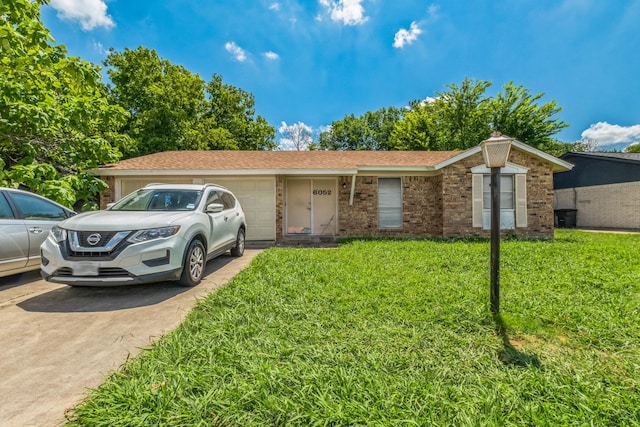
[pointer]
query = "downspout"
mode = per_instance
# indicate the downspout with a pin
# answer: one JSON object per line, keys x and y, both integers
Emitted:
{"x": 353, "y": 189}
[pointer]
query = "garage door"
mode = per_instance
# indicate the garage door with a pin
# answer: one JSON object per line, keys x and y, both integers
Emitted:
{"x": 129, "y": 185}
{"x": 258, "y": 199}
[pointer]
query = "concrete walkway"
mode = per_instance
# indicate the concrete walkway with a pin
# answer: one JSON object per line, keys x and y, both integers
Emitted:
{"x": 58, "y": 341}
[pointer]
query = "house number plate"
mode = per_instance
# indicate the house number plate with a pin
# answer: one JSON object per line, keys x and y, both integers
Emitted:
{"x": 321, "y": 192}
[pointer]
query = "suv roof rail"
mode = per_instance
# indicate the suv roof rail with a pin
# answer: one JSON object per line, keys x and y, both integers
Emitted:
{"x": 152, "y": 184}
{"x": 216, "y": 185}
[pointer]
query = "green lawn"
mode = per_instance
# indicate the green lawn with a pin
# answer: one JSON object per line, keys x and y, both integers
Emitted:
{"x": 386, "y": 333}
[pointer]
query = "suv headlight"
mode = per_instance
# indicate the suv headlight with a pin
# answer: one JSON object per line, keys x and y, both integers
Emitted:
{"x": 59, "y": 234}
{"x": 153, "y": 233}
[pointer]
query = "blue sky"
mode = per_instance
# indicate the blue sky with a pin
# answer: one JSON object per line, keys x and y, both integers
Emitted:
{"x": 316, "y": 61}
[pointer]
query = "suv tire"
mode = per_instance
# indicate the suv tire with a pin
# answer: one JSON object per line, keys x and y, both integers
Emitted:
{"x": 194, "y": 262}
{"x": 238, "y": 249}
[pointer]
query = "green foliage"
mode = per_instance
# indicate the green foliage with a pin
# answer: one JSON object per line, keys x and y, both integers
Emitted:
{"x": 399, "y": 332}
{"x": 55, "y": 119}
{"x": 456, "y": 119}
{"x": 515, "y": 112}
{"x": 172, "y": 108}
{"x": 635, "y": 148}
{"x": 371, "y": 131}
{"x": 233, "y": 109}
{"x": 461, "y": 115}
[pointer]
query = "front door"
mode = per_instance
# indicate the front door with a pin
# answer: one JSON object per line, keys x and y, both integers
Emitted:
{"x": 311, "y": 206}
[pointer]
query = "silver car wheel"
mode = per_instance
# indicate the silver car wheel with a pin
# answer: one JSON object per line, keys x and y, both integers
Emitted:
{"x": 196, "y": 262}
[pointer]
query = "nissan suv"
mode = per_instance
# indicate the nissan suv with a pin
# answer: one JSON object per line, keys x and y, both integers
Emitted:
{"x": 158, "y": 233}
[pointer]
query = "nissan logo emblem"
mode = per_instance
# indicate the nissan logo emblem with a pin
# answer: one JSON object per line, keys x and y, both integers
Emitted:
{"x": 94, "y": 239}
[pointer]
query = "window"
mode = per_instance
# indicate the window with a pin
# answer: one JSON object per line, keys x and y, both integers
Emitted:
{"x": 507, "y": 218}
{"x": 5, "y": 209}
{"x": 513, "y": 197}
{"x": 506, "y": 191}
{"x": 228, "y": 201}
{"x": 36, "y": 208}
{"x": 389, "y": 203}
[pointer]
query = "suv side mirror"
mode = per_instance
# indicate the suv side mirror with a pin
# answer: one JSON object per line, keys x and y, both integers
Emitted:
{"x": 214, "y": 208}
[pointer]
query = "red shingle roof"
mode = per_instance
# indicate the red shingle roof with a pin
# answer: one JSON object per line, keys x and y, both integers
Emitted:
{"x": 279, "y": 160}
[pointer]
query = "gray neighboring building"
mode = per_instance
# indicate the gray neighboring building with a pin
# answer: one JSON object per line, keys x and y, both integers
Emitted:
{"x": 602, "y": 190}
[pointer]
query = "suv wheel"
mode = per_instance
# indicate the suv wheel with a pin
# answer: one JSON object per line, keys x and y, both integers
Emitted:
{"x": 238, "y": 249}
{"x": 194, "y": 263}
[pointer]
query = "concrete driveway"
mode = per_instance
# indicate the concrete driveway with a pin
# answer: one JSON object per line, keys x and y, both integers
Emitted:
{"x": 58, "y": 341}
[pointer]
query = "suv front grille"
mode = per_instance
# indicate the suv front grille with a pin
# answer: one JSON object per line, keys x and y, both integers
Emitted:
{"x": 105, "y": 236}
{"x": 97, "y": 245}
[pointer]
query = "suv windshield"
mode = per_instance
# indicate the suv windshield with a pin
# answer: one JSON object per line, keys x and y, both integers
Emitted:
{"x": 159, "y": 200}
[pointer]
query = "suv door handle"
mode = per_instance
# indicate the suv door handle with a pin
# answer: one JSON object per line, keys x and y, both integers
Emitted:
{"x": 35, "y": 230}
{"x": 226, "y": 218}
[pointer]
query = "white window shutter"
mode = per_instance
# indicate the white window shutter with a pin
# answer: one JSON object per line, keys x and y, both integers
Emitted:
{"x": 521, "y": 200}
{"x": 476, "y": 199}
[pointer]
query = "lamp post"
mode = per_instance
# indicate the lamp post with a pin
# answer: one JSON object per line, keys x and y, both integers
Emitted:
{"x": 495, "y": 151}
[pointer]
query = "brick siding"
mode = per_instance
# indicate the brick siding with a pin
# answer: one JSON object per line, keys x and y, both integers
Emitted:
{"x": 606, "y": 206}
{"x": 457, "y": 203}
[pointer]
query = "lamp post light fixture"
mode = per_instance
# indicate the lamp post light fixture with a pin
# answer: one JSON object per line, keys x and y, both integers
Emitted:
{"x": 495, "y": 151}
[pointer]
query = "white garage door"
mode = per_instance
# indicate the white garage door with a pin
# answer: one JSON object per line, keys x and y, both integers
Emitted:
{"x": 258, "y": 199}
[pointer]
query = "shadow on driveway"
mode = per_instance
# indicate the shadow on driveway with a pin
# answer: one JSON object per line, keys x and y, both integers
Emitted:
{"x": 80, "y": 299}
{"x": 19, "y": 279}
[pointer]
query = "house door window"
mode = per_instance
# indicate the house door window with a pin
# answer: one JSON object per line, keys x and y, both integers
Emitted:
{"x": 311, "y": 206}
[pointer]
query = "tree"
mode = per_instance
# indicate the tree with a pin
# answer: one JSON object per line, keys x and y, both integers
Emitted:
{"x": 233, "y": 109}
{"x": 633, "y": 148}
{"x": 515, "y": 112}
{"x": 371, "y": 131}
{"x": 456, "y": 119}
{"x": 173, "y": 109}
{"x": 55, "y": 118}
{"x": 295, "y": 137}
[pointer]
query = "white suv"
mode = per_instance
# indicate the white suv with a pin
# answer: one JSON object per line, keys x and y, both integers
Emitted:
{"x": 158, "y": 233}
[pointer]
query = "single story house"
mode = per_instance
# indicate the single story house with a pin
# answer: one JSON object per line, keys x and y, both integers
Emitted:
{"x": 329, "y": 194}
{"x": 602, "y": 190}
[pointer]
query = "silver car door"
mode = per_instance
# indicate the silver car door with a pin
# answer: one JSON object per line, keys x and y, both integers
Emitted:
{"x": 14, "y": 239}
{"x": 39, "y": 217}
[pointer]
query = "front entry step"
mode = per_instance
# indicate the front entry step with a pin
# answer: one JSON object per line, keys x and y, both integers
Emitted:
{"x": 308, "y": 240}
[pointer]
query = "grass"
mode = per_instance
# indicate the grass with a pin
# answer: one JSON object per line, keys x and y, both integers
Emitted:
{"x": 386, "y": 333}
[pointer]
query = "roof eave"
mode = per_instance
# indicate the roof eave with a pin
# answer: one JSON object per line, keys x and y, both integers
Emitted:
{"x": 209, "y": 172}
{"x": 558, "y": 165}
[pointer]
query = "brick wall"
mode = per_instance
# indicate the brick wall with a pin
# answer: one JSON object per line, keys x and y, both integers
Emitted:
{"x": 457, "y": 203}
{"x": 606, "y": 206}
{"x": 421, "y": 210}
{"x": 108, "y": 195}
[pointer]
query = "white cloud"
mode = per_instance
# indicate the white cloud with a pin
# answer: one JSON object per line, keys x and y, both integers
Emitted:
{"x": 603, "y": 133}
{"x": 349, "y": 12}
{"x": 238, "y": 53}
{"x": 271, "y": 56}
{"x": 89, "y": 13}
{"x": 274, "y": 6}
{"x": 99, "y": 47}
{"x": 404, "y": 36}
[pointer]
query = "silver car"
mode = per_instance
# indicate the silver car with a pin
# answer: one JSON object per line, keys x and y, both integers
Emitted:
{"x": 161, "y": 232}
{"x": 25, "y": 222}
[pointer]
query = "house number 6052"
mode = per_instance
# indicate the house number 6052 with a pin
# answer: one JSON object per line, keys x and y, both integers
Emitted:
{"x": 321, "y": 192}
